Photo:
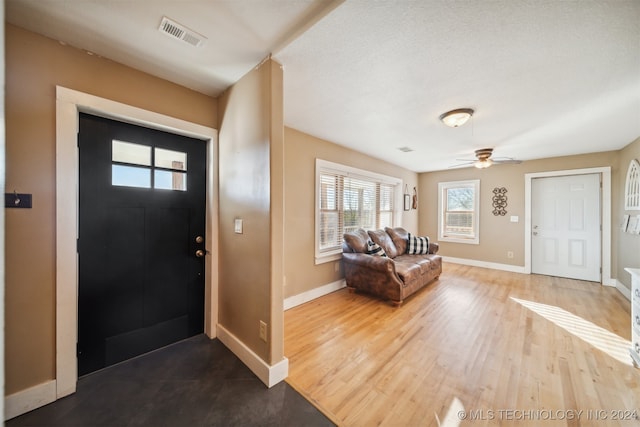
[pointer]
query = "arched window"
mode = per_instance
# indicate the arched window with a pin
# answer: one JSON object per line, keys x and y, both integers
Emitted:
{"x": 632, "y": 187}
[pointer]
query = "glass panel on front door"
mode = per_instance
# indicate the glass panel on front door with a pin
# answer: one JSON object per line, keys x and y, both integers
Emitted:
{"x": 170, "y": 180}
{"x": 170, "y": 159}
{"x": 130, "y": 176}
{"x": 126, "y": 152}
{"x": 132, "y": 166}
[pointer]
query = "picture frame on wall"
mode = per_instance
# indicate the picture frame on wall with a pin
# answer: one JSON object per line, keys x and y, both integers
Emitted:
{"x": 636, "y": 230}
{"x": 625, "y": 223}
{"x": 632, "y": 225}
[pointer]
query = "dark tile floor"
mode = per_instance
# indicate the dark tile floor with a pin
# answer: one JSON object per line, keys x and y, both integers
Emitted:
{"x": 196, "y": 382}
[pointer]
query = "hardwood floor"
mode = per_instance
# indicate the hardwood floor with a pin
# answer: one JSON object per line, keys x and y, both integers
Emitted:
{"x": 505, "y": 348}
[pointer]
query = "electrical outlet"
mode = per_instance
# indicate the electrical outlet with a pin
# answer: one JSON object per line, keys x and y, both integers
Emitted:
{"x": 510, "y": 254}
{"x": 263, "y": 331}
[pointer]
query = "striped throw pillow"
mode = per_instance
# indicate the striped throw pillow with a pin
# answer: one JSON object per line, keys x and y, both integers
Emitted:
{"x": 418, "y": 245}
{"x": 375, "y": 249}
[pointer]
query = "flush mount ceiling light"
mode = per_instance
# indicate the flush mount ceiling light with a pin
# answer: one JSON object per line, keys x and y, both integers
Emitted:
{"x": 458, "y": 117}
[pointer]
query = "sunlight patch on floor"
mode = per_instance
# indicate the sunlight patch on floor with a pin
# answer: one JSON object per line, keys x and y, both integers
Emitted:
{"x": 455, "y": 414}
{"x": 600, "y": 338}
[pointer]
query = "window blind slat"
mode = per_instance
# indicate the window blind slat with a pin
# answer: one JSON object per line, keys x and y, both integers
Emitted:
{"x": 349, "y": 202}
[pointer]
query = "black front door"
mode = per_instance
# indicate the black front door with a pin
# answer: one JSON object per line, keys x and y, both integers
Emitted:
{"x": 141, "y": 240}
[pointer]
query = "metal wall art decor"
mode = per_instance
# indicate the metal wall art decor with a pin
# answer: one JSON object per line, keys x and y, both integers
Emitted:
{"x": 500, "y": 201}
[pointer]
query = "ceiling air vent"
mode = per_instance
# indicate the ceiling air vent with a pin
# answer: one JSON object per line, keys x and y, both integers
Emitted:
{"x": 180, "y": 32}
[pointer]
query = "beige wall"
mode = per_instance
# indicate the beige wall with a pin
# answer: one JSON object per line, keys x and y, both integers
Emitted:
{"x": 628, "y": 245}
{"x": 301, "y": 150}
{"x": 266, "y": 179}
{"x": 34, "y": 66}
{"x": 250, "y": 274}
{"x": 497, "y": 234}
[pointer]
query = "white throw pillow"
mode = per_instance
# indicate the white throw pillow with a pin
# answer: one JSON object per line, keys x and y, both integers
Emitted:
{"x": 375, "y": 249}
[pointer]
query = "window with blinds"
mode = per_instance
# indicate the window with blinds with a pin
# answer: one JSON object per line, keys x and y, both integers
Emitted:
{"x": 348, "y": 199}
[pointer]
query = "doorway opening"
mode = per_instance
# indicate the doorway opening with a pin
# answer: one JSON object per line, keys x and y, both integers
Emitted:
{"x": 605, "y": 173}
{"x": 141, "y": 240}
{"x": 565, "y": 218}
{"x": 69, "y": 104}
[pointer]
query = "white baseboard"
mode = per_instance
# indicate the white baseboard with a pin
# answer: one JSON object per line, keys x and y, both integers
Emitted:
{"x": 313, "y": 294}
{"x": 517, "y": 269}
{"x": 623, "y": 290}
{"x": 27, "y": 400}
{"x": 484, "y": 264}
{"x": 268, "y": 374}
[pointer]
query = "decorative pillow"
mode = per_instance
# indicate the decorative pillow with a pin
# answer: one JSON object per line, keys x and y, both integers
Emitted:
{"x": 375, "y": 249}
{"x": 418, "y": 245}
{"x": 357, "y": 240}
{"x": 398, "y": 237}
{"x": 384, "y": 240}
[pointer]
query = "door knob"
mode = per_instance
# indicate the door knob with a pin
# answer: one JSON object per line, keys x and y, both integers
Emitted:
{"x": 200, "y": 253}
{"x": 199, "y": 239}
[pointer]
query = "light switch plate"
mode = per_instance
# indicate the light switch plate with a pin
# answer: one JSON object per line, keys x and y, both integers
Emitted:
{"x": 238, "y": 225}
{"x": 515, "y": 218}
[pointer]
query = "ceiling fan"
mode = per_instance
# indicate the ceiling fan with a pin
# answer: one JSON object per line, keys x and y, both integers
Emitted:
{"x": 484, "y": 160}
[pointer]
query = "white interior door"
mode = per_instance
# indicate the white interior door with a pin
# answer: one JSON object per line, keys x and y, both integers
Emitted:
{"x": 566, "y": 227}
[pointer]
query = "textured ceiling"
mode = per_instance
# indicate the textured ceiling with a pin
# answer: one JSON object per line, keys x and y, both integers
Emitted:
{"x": 546, "y": 78}
{"x": 240, "y": 33}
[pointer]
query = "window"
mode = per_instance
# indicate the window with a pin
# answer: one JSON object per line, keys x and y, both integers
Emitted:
{"x": 458, "y": 211}
{"x": 132, "y": 166}
{"x": 349, "y": 198}
{"x": 632, "y": 187}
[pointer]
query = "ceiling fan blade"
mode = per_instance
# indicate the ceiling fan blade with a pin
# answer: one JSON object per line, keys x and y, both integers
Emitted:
{"x": 507, "y": 161}
{"x": 462, "y": 165}
{"x": 484, "y": 160}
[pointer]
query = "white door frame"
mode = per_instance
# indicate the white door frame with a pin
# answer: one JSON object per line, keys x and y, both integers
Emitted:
{"x": 69, "y": 103}
{"x": 605, "y": 205}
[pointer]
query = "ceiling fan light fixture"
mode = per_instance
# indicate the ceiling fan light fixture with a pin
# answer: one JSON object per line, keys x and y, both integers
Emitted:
{"x": 483, "y": 160}
{"x": 456, "y": 118}
{"x": 483, "y": 164}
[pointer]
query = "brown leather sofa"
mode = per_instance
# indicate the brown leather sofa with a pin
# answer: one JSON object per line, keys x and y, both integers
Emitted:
{"x": 394, "y": 276}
